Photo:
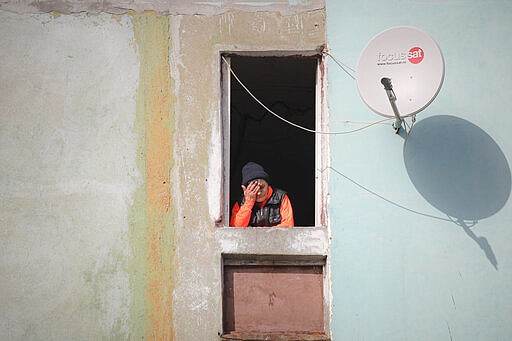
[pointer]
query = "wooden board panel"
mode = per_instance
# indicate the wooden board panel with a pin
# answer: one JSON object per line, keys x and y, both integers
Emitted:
{"x": 273, "y": 299}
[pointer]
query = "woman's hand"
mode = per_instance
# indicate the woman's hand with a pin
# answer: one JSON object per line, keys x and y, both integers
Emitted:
{"x": 251, "y": 191}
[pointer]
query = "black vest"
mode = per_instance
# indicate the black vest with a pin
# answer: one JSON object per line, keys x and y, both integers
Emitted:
{"x": 270, "y": 214}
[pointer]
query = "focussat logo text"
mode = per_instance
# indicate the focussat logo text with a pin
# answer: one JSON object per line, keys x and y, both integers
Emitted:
{"x": 414, "y": 56}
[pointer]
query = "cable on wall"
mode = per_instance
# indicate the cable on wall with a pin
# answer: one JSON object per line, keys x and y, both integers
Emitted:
{"x": 448, "y": 219}
{"x": 343, "y": 66}
{"x": 294, "y": 124}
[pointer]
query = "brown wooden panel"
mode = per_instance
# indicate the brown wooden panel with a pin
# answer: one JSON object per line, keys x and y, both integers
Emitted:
{"x": 273, "y": 299}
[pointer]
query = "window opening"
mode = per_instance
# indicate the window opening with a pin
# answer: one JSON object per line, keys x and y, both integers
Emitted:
{"x": 287, "y": 86}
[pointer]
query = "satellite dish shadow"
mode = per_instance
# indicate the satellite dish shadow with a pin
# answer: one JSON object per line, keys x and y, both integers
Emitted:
{"x": 459, "y": 169}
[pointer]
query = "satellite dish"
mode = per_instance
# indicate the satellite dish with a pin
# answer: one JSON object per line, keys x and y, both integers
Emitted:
{"x": 404, "y": 62}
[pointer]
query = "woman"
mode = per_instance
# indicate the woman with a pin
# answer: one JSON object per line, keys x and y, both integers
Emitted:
{"x": 261, "y": 204}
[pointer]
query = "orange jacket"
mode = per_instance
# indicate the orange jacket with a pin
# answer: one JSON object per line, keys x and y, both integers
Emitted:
{"x": 240, "y": 216}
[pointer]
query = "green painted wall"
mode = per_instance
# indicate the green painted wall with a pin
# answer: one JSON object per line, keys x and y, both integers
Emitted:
{"x": 421, "y": 231}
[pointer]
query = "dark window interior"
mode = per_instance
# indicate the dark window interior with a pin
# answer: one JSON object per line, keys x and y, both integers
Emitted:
{"x": 286, "y": 85}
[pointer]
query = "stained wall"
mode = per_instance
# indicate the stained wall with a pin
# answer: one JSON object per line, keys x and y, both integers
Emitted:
{"x": 111, "y": 172}
{"x": 68, "y": 174}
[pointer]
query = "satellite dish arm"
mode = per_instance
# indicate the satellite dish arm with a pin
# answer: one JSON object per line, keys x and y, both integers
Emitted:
{"x": 392, "y": 99}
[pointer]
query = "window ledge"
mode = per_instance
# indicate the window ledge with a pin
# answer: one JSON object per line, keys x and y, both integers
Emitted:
{"x": 283, "y": 241}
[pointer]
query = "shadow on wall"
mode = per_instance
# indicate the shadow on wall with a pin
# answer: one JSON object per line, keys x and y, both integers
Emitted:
{"x": 459, "y": 169}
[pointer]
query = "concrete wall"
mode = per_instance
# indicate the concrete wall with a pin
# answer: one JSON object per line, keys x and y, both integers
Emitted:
{"x": 68, "y": 175}
{"x": 421, "y": 231}
{"x": 111, "y": 172}
{"x": 197, "y": 174}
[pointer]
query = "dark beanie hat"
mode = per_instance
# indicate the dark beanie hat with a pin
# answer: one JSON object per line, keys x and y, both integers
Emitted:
{"x": 252, "y": 171}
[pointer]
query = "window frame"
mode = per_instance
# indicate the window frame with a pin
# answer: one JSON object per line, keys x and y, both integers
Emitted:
{"x": 321, "y": 140}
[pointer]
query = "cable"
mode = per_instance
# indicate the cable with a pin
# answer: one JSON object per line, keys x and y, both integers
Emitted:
{"x": 386, "y": 199}
{"x": 291, "y": 123}
{"x": 413, "y": 120}
{"x": 342, "y": 65}
{"x": 338, "y": 62}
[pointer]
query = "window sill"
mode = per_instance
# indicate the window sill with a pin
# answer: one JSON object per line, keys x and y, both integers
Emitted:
{"x": 282, "y": 241}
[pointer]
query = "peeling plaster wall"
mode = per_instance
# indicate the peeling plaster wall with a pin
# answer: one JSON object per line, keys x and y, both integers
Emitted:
{"x": 195, "y": 70}
{"x": 156, "y": 204}
{"x": 181, "y": 7}
{"x": 110, "y": 140}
